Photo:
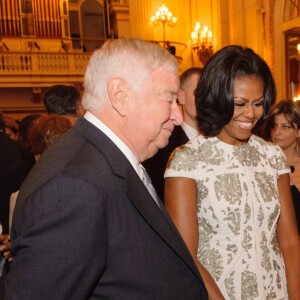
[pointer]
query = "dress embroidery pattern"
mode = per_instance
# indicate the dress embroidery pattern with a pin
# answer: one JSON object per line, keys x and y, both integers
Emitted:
{"x": 238, "y": 210}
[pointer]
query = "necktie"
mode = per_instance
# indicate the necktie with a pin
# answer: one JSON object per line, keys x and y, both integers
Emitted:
{"x": 148, "y": 184}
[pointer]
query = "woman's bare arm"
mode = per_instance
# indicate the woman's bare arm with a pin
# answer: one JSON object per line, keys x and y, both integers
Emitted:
{"x": 181, "y": 204}
{"x": 288, "y": 238}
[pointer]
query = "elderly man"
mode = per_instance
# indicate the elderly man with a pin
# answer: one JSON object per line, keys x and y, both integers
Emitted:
{"x": 87, "y": 222}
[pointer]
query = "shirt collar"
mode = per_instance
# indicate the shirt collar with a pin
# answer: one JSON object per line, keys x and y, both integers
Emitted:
{"x": 116, "y": 140}
{"x": 189, "y": 131}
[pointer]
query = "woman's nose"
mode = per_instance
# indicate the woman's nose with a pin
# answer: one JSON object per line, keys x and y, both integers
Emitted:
{"x": 249, "y": 111}
{"x": 276, "y": 131}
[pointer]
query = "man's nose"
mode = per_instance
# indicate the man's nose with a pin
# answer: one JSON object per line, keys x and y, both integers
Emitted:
{"x": 176, "y": 114}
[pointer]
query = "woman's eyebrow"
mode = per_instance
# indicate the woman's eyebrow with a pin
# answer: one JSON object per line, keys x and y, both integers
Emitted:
{"x": 248, "y": 99}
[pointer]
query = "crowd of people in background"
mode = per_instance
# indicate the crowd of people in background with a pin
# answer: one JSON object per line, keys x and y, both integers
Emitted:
{"x": 80, "y": 218}
{"x": 15, "y": 164}
{"x": 22, "y": 143}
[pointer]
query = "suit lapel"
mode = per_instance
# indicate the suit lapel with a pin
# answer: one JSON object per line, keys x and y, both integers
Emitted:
{"x": 157, "y": 218}
{"x": 138, "y": 194}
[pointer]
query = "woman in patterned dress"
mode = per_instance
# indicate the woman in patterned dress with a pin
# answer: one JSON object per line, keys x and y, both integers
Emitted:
{"x": 228, "y": 191}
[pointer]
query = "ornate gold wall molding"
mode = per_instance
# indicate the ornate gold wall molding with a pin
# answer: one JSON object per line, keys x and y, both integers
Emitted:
{"x": 271, "y": 35}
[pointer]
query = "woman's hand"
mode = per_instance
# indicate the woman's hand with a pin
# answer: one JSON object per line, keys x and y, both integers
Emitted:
{"x": 5, "y": 245}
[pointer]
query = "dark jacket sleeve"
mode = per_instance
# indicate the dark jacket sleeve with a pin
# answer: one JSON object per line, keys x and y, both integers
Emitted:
{"x": 57, "y": 250}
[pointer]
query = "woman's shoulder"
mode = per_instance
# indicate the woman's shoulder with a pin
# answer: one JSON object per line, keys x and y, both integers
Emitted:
{"x": 197, "y": 150}
{"x": 188, "y": 155}
{"x": 193, "y": 146}
{"x": 273, "y": 153}
{"x": 257, "y": 141}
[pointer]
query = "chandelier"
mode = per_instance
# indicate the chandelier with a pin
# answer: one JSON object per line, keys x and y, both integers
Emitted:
{"x": 296, "y": 98}
{"x": 202, "y": 42}
{"x": 165, "y": 17}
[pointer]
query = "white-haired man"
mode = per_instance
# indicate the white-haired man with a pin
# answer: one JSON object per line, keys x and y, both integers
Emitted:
{"x": 85, "y": 225}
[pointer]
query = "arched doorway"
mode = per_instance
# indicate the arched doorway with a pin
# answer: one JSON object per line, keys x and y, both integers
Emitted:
{"x": 286, "y": 17}
{"x": 88, "y": 23}
{"x": 92, "y": 20}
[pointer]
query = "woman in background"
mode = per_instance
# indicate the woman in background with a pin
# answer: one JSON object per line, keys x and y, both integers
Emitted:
{"x": 227, "y": 190}
{"x": 11, "y": 128}
{"x": 283, "y": 129}
{"x": 41, "y": 135}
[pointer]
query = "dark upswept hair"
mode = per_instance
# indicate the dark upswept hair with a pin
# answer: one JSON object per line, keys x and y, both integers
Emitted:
{"x": 214, "y": 93}
{"x": 291, "y": 111}
{"x": 62, "y": 100}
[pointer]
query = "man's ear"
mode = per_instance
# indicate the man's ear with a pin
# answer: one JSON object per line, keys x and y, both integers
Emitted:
{"x": 181, "y": 97}
{"x": 117, "y": 90}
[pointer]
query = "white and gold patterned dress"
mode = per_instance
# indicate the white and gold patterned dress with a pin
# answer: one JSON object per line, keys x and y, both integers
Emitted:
{"x": 238, "y": 210}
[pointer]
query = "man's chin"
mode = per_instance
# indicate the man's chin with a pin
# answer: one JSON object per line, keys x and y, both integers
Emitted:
{"x": 164, "y": 142}
{"x": 159, "y": 146}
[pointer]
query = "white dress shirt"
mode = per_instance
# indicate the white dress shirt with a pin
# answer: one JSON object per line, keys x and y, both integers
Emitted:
{"x": 117, "y": 141}
{"x": 190, "y": 131}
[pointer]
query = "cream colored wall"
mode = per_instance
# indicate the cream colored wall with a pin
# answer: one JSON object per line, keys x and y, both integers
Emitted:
{"x": 221, "y": 29}
{"x": 245, "y": 23}
{"x": 22, "y": 99}
{"x": 258, "y": 24}
{"x": 242, "y": 22}
{"x": 187, "y": 13}
{"x": 279, "y": 66}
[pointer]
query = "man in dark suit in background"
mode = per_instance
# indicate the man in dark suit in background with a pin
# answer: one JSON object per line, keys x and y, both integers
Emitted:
{"x": 156, "y": 165}
{"x": 64, "y": 100}
{"x": 10, "y": 156}
{"x": 10, "y": 153}
{"x": 87, "y": 224}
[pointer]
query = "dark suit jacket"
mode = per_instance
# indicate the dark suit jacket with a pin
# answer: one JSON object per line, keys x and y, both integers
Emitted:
{"x": 85, "y": 227}
{"x": 296, "y": 200}
{"x": 10, "y": 182}
{"x": 157, "y": 164}
{"x": 10, "y": 154}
